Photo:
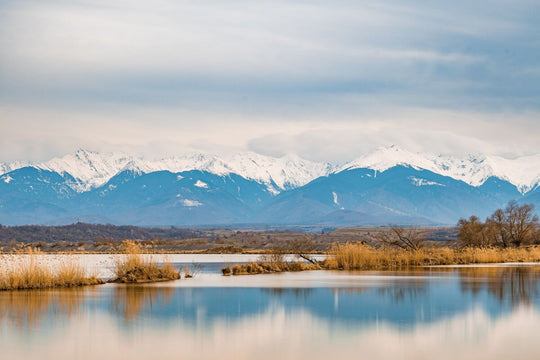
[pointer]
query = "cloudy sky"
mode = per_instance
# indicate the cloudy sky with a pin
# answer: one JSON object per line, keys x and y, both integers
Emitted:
{"x": 327, "y": 80}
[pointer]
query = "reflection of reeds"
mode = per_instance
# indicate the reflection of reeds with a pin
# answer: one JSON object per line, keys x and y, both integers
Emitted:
{"x": 131, "y": 301}
{"x": 515, "y": 284}
{"x": 26, "y": 271}
{"x": 134, "y": 268}
{"x": 26, "y": 308}
{"x": 299, "y": 293}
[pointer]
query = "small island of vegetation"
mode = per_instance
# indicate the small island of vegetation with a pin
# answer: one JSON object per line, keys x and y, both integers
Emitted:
{"x": 28, "y": 270}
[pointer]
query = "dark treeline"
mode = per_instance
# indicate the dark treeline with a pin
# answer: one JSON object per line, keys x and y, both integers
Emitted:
{"x": 90, "y": 232}
{"x": 513, "y": 226}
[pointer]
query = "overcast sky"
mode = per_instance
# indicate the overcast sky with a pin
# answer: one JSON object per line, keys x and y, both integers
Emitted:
{"x": 327, "y": 80}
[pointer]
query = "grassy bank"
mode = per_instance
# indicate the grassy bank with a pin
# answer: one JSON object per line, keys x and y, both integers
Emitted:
{"x": 135, "y": 268}
{"x": 364, "y": 257}
{"x": 27, "y": 272}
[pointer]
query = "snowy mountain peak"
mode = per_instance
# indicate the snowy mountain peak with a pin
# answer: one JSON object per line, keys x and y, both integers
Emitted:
{"x": 7, "y": 167}
{"x": 92, "y": 169}
{"x": 523, "y": 172}
{"x": 286, "y": 172}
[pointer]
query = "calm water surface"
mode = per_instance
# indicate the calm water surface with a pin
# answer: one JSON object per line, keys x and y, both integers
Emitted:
{"x": 440, "y": 313}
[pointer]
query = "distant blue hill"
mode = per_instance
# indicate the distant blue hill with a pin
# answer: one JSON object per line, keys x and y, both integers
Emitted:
{"x": 400, "y": 195}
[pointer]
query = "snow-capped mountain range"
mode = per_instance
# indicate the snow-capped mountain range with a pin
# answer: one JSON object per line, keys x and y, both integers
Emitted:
{"x": 523, "y": 172}
{"x": 92, "y": 169}
{"x": 389, "y": 185}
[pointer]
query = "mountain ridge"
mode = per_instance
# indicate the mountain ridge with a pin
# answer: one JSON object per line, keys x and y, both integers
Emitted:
{"x": 91, "y": 169}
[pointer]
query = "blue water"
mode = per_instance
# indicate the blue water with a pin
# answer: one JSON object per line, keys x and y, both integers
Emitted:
{"x": 445, "y": 313}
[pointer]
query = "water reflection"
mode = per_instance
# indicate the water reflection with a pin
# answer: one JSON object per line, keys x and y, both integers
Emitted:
{"x": 26, "y": 308}
{"x": 131, "y": 301}
{"x": 449, "y": 312}
{"x": 516, "y": 285}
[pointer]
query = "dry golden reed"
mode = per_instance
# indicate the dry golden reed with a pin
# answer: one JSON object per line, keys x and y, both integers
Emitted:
{"x": 364, "y": 257}
{"x": 357, "y": 256}
{"x": 28, "y": 271}
{"x": 135, "y": 268}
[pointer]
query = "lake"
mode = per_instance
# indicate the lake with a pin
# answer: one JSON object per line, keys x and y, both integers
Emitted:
{"x": 470, "y": 312}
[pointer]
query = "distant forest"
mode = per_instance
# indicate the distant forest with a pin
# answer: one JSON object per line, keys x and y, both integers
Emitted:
{"x": 90, "y": 232}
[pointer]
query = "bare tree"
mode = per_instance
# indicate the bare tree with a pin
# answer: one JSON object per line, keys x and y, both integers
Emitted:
{"x": 497, "y": 229}
{"x": 405, "y": 238}
{"x": 473, "y": 232}
{"x": 303, "y": 248}
{"x": 515, "y": 225}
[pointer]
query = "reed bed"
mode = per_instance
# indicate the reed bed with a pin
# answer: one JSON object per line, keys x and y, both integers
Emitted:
{"x": 357, "y": 256}
{"x": 135, "y": 268}
{"x": 29, "y": 271}
{"x": 364, "y": 257}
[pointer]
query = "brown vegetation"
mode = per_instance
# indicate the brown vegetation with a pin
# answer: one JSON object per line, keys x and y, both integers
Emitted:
{"x": 404, "y": 238}
{"x": 360, "y": 256}
{"x": 27, "y": 272}
{"x": 134, "y": 268}
{"x": 262, "y": 267}
{"x": 363, "y": 257}
{"x": 512, "y": 226}
{"x": 103, "y": 240}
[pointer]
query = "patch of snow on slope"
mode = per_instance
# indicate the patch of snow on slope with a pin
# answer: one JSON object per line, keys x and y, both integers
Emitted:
{"x": 335, "y": 198}
{"x": 423, "y": 182}
{"x": 201, "y": 184}
{"x": 7, "y": 179}
{"x": 191, "y": 203}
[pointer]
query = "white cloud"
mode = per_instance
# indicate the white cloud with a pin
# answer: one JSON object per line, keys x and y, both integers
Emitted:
{"x": 326, "y": 80}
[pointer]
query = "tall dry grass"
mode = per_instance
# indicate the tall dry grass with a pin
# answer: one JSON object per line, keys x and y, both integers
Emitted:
{"x": 357, "y": 256}
{"x": 134, "y": 267}
{"x": 364, "y": 257}
{"x": 29, "y": 271}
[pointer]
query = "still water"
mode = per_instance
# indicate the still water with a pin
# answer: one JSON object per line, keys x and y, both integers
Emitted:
{"x": 490, "y": 312}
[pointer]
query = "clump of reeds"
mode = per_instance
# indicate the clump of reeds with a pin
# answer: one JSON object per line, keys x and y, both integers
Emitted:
{"x": 26, "y": 271}
{"x": 135, "y": 268}
{"x": 191, "y": 270}
{"x": 270, "y": 263}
